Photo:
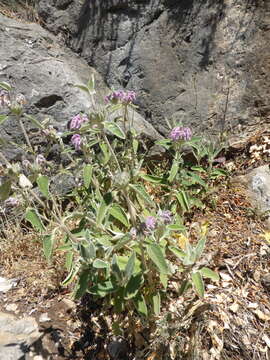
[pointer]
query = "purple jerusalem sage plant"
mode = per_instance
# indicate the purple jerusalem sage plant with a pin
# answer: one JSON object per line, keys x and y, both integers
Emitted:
{"x": 165, "y": 216}
{"x": 76, "y": 141}
{"x": 180, "y": 133}
{"x": 77, "y": 121}
{"x": 125, "y": 97}
{"x": 150, "y": 223}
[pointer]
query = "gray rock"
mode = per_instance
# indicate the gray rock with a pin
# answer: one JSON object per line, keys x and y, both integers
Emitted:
{"x": 16, "y": 335}
{"x": 202, "y": 62}
{"x": 34, "y": 63}
{"x": 257, "y": 184}
{"x": 266, "y": 281}
{"x": 118, "y": 349}
{"x": 7, "y": 284}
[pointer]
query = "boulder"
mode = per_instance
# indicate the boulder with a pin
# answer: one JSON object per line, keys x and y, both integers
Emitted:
{"x": 204, "y": 62}
{"x": 257, "y": 187}
{"x": 45, "y": 72}
{"x": 16, "y": 336}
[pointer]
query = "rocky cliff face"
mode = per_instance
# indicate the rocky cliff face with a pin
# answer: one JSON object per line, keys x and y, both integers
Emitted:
{"x": 204, "y": 62}
{"x": 34, "y": 64}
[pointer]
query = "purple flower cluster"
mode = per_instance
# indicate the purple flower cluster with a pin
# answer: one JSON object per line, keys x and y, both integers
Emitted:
{"x": 11, "y": 202}
{"x": 126, "y": 97}
{"x": 77, "y": 121}
{"x": 4, "y": 98}
{"x": 40, "y": 160}
{"x": 76, "y": 141}
{"x": 165, "y": 216}
{"x": 20, "y": 99}
{"x": 180, "y": 133}
{"x": 150, "y": 223}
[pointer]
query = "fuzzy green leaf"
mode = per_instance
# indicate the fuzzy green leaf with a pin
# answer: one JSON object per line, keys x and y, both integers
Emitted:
{"x": 130, "y": 266}
{"x": 156, "y": 303}
{"x": 173, "y": 171}
{"x": 156, "y": 255}
{"x": 210, "y": 274}
{"x": 83, "y": 88}
{"x": 43, "y": 185}
{"x": 34, "y": 121}
{"x": 151, "y": 178}
{"x": 48, "y": 242}
{"x": 142, "y": 193}
{"x": 118, "y": 213}
{"x": 184, "y": 287}
{"x": 178, "y": 252}
{"x": 100, "y": 264}
{"x": 183, "y": 201}
{"x": 4, "y": 85}
{"x": 5, "y": 190}
{"x": 32, "y": 216}
{"x": 140, "y": 305}
{"x": 69, "y": 260}
{"x": 103, "y": 208}
{"x": 200, "y": 247}
{"x": 82, "y": 284}
{"x": 3, "y": 118}
{"x": 87, "y": 175}
{"x": 114, "y": 129}
{"x": 102, "y": 288}
{"x": 70, "y": 277}
{"x": 198, "y": 283}
{"x": 133, "y": 286}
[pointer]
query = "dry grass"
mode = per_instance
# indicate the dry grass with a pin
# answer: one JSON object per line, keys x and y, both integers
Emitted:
{"x": 22, "y": 257}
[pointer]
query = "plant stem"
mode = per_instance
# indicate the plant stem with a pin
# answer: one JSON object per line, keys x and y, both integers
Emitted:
{"x": 112, "y": 152}
{"x": 25, "y": 133}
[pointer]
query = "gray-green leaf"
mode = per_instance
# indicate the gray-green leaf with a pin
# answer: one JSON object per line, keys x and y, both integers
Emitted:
{"x": 156, "y": 255}
{"x": 43, "y": 185}
{"x": 118, "y": 213}
{"x": 198, "y": 283}
{"x": 210, "y": 274}
{"x": 87, "y": 175}
{"x": 32, "y": 216}
{"x": 48, "y": 241}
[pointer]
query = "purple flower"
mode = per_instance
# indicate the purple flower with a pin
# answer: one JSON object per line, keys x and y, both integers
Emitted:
{"x": 77, "y": 121}
{"x": 165, "y": 216}
{"x": 40, "y": 160}
{"x": 150, "y": 223}
{"x": 11, "y": 202}
{"x": 126, "y": 97}
{"x": 4, "y": 98}
{"x": 182, "y": 133}
{"x": 76, "y": 141}
{"x": 133, "y": 233}
{"x": 26, "y": 164}
{"x": 20, "y": 99}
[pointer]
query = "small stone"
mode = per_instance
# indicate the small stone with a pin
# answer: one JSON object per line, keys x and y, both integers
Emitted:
{"x": 118, "y": 349}
{"x": 7, "y": 284}
{"x": 266, "y": 281}
{"x": 67, "y": 304}
{"x": 11, "y": 307}
{"x": 44, "y": 318}
{"x": 234, "y": 307}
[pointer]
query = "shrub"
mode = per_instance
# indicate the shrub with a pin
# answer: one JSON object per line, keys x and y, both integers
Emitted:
{"x": 123, "y": 233}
